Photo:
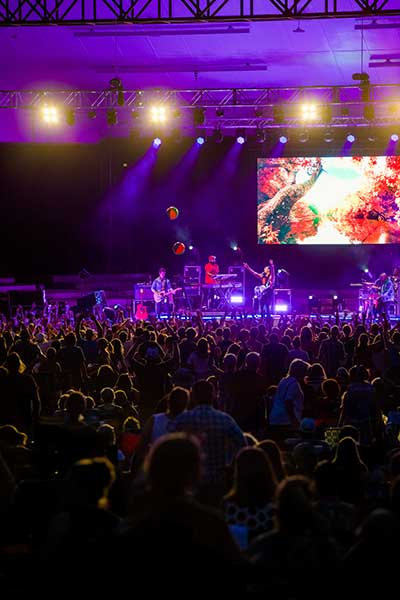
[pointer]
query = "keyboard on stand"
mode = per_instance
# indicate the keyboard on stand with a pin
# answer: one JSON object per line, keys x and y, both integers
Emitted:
{"x": 232, "y": 284}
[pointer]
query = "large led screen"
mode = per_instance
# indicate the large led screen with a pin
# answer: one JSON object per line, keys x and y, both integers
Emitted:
{"x": 331, "y": 200}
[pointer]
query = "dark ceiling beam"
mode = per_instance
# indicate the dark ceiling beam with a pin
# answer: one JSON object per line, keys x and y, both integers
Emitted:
{"x": 80, "y": 12}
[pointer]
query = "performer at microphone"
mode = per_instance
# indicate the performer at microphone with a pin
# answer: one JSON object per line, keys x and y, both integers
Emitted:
{"x": 161, "y": 288}
{"x": 264, "y": 292}
{"x": 211, "y": 269}
{"x": 386, "y": 297}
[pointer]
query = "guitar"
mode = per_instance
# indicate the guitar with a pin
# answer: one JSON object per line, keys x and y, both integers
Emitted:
{"x": 141, "y": 312}
{"x": 158, "y": 296}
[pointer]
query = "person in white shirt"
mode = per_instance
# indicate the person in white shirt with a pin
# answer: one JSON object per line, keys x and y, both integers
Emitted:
{"x": 287, "y": 404}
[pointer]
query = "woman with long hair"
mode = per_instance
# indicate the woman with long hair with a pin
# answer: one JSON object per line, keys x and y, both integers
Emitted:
{"x": 250, "y": 501}
{"x": 351, "y": 471}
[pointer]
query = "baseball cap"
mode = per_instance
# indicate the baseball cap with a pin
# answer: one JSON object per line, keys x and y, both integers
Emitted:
{"x": 307, "y": 425}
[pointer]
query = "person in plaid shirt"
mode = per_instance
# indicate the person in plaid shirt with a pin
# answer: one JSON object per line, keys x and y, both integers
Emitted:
{"x": 219, "y": 435}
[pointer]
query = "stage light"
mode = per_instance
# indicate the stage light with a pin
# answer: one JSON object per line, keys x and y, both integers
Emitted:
{"x": 328, "y": 137}
{"x": 157, "y": 142}
{"x": 191, "y": 247}
{"x": 112, "y": 116}
{"x": 394, "y": 137}
{"x": 158, "y": 114}
{"x": 258, "y": 112}
{"x": 351, "y": 138}
{"x": 303, "y": 137}
{"x": 235, "y": 248}
{"x": 92, "y": 114}
{"x": 237, "y": 299}
{"x": 219, "y": 112}
{"x": 308, "y": 112}
{"x": 366, "y": 270}
{"x": 199, "y": 116}
{"x": 281, "y": 308}
{"x": 70, "y": 117}
{"x": 314, "y": 303}
{"x": 241, "y": 136}
{"x": 200, "y": 140}
{"x": 50, "y": 115}
{"x": 337, "y": 303}
{"x": 283, "y": 139}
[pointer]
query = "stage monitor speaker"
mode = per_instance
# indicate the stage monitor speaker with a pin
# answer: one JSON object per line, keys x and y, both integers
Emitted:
{"x": 282, "y": 301}
{"x": 142, "y": 292}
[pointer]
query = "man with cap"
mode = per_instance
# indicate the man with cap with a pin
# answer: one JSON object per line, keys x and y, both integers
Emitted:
{"x": 211, "y": 269}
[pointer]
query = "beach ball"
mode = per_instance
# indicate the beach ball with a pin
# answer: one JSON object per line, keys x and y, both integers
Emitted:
{"x": 178, "y": 248}
{"x": 172, "y": 213}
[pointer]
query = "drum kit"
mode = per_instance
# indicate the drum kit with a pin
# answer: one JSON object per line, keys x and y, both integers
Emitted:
{"x": 369, "y": 295}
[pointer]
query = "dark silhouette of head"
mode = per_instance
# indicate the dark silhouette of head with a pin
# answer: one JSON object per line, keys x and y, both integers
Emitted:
{"x": 177, "y": 401}
{"x": 254, "y": 478}
{"x": 173, "y": 465}
{"x": 202, "y": 393}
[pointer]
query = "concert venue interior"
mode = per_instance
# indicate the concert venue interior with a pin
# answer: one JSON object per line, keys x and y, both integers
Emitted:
{"x": 199, "y": 296}
{"x": 95, "y": 192}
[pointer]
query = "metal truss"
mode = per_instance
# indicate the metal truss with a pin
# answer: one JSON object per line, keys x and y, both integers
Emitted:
{"x": 336, "y": 106}
{"x": 78, "y": 12}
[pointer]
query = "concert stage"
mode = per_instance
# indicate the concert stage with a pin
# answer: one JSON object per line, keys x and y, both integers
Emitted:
{"x": 125, "y": 291}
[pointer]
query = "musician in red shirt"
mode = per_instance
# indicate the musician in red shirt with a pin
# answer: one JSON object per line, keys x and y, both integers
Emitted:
{"x": 211, "y": 269}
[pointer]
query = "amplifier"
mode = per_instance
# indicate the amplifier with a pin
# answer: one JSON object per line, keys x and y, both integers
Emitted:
{"x": 142, "y": 292}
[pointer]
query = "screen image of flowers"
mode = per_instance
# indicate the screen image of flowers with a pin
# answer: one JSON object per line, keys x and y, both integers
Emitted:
{"x": 328, "y": 200}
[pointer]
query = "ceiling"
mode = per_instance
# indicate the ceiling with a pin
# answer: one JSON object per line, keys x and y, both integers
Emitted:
{"x": 262, "y": 54}
{"x": 327, "y": 52}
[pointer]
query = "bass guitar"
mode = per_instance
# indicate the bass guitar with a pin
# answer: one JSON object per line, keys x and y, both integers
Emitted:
{"x": 159, "y": 296}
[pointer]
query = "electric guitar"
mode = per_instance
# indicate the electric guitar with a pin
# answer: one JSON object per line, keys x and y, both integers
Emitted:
{"x": 159, "y": 296}
{"x": 141, "y": 312}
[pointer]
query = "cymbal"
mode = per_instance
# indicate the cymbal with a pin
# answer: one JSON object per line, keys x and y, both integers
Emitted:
{"x": 356, "y": 285}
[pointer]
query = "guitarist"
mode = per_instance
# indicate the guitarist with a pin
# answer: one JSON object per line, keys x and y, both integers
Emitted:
{"x": 264, "y": 292}
{"x": 161, "y": 288}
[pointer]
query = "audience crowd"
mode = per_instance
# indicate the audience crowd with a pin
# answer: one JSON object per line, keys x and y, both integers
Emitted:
{"x": 225, "y": 454}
